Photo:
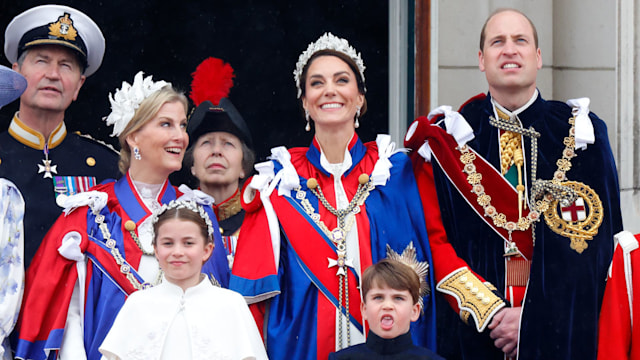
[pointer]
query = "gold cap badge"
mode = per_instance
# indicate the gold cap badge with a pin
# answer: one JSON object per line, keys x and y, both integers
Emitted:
{"x": 63, "y": 28}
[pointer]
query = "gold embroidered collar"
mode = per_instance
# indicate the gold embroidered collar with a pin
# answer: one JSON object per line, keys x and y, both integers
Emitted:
{"x": 32, "y": 138}
{"x": 229, "y": 207}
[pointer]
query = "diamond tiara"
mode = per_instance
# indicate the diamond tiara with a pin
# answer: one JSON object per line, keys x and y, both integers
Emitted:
{"x": 180, "y": 204}
{"x": 328, "y": 41}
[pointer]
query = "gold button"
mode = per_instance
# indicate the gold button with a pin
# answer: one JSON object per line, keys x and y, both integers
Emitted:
{"x": 312, "y": 183}
{"x": 91, "y": 161}
{"x": 0, "y": 161}
{"x": 474, "y": 290}
{"x": 486, "y": 301}
{"x": 363, "y": 179}
{"x": 221, "y": 231}
{"x": 130, "y": 225}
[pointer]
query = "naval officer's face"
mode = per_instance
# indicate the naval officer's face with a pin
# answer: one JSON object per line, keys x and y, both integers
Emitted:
{"x": 54, "y": 78}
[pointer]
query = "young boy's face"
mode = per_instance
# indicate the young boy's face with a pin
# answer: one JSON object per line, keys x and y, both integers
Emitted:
{"x": 389, "y": 311}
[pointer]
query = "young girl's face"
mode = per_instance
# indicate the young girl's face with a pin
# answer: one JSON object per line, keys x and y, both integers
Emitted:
{"x": 181, "y": 250}
{"x": 389, "y": 311}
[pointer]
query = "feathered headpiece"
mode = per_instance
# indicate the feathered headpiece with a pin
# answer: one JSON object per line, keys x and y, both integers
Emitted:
{"x": 212, "y": 81}
{"x": 127, "y": 99}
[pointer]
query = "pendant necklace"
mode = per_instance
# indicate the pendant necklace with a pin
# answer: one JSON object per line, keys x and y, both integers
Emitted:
{"x": 345, "y": 219}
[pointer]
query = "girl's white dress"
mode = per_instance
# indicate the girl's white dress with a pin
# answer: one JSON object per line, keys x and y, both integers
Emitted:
{"x": 165, "y": 322}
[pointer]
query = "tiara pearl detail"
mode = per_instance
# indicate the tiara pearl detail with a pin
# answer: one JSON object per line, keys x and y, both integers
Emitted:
{"x": 328, "y": 41}
{"x": 127, "y": 99}
{"x": 181, "y": 204}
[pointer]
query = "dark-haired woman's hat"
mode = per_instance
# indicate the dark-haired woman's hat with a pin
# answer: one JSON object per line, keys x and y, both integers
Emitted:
{"x": 214, "y": 112}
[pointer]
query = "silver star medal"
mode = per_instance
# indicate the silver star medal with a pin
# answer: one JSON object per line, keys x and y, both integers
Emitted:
{"x": 47, "y": 168}
{"x": 342, "y": 263}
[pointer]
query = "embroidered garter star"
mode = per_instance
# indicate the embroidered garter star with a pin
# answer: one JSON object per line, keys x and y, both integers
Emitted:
{"x": 47, "y": 168}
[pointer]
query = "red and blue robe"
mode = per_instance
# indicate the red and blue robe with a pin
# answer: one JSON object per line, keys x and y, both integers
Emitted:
{"x": 618, "y": 336}
{"x": 297, "y": 298}
{"x": 51, "y": 278}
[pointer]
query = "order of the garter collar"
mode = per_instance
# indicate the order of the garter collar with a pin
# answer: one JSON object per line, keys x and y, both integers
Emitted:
{"x": 127, "y": 99}
{"x": 328, "y": 41}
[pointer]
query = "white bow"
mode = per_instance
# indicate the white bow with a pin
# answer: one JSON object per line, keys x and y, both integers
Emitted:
{"x": 265, "y": 181}
{"x": 96, "y": 200}
{"x": 263, "y": 178}
{"x": 200, "y": 197}
{"x": 70, "y": 246}
{"x": 584, "y": 128}
{"x": 288, "y": 177}
{"x": 456, "y": 126}
{"x": 386, "y": 148}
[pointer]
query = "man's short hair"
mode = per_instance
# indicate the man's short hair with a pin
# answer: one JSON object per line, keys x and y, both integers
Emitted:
{"x": 501, "y": 10}
{"x": 393, "y": 274}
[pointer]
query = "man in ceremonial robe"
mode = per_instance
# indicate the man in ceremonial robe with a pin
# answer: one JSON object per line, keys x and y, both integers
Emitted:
{"x": 528, "y": 222}
{"x": 55, "y": 48}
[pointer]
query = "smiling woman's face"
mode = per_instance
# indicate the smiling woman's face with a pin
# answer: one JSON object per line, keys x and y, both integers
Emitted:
{"x": 331, "y": 92}
{"x": 162, "y": 143}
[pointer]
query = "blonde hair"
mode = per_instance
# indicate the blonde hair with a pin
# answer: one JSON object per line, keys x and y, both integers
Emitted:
{"x": 148, "y": 109}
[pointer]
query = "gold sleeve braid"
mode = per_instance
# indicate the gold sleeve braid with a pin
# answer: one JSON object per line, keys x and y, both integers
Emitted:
{"x": 475, "y": 298}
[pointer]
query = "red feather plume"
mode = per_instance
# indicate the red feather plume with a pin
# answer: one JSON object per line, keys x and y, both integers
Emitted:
{"x": 212, "y": 81}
